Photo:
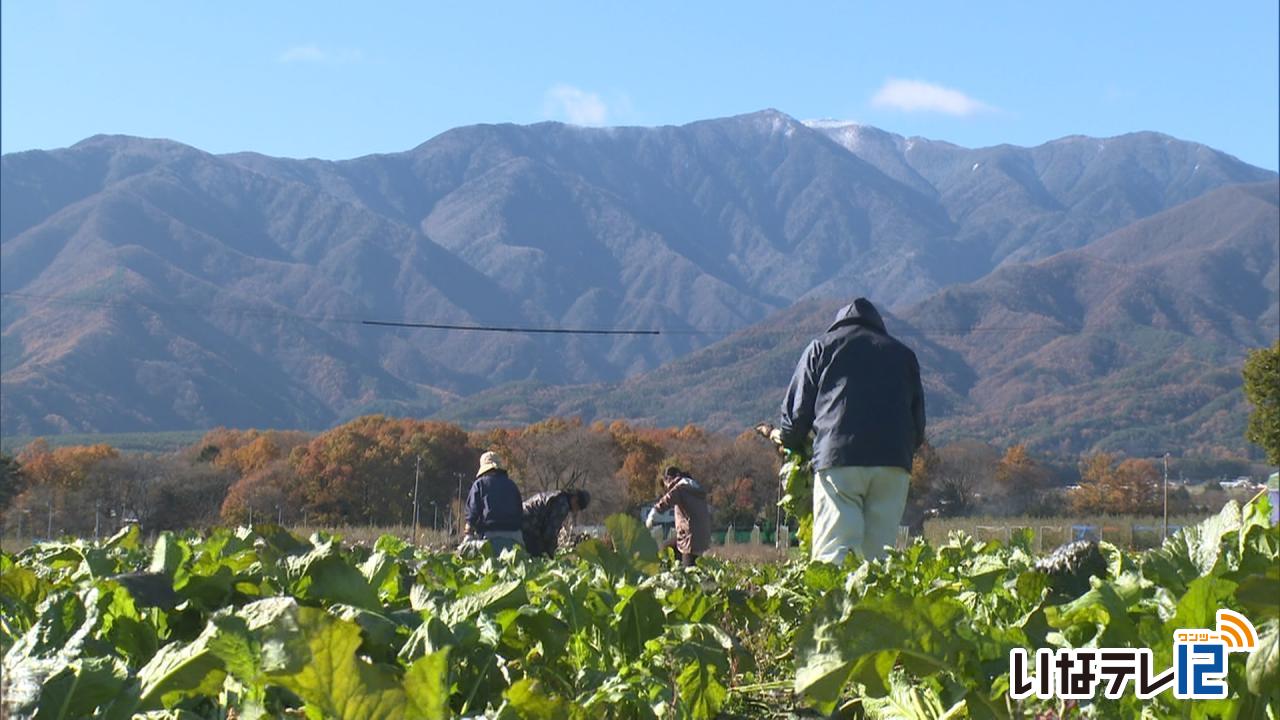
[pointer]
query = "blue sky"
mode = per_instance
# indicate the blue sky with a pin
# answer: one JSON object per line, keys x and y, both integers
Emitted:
{"x": 338, "y": 80}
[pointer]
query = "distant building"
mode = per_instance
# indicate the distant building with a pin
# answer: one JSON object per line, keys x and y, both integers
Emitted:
{"x": 665, "y": 519}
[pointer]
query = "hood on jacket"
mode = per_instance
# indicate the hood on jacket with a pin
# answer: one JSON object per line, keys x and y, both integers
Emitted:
{"x": 689, "y": 484}
{"x": 860, "y": 312}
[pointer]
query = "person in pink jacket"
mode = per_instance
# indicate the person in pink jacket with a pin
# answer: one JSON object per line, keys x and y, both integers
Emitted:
{"x": 693, "y": 516}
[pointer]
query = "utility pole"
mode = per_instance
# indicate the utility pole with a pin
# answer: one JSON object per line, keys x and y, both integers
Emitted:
{"x": 417, "y": 466}
{"x": 1166, "y": 496}
{"x": 96, "y": 504}
{"x": 48, "y": 531}
{"x": 460, "y": 510}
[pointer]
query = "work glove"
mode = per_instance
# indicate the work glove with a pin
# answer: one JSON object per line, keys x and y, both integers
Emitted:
{"x": 774, "y": 434}
{"x": 652, "y": 518}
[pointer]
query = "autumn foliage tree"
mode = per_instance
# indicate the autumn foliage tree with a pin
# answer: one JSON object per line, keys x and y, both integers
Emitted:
{"x": 55, "y": 477}
{"x": 363, "y": 472}
{"x": 64, "y": 467}
{"x": 639, "y": 453}
{"x": 262, "y": 495}
{"x": 247, "y": 451}
{"x": 264, "y": 483}
{"x": 1019, "y": 481}
{"x": 1130, "y": 488}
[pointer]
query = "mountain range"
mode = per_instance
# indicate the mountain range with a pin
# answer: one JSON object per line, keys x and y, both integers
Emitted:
{"x": 151, "y": 286}
{"x": 1132, "y": 344}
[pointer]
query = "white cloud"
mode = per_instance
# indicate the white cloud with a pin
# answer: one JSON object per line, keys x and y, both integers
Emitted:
{"x": 314, "y": 54}
{"x": 575, "y": 105}
{"x": 919, "y": 96}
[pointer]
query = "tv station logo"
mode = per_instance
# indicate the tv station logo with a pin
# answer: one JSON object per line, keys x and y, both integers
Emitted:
{"x": 1199, "y": 669}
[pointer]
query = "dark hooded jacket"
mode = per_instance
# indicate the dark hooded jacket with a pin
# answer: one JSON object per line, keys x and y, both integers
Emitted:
{"x": 859, "y": 390}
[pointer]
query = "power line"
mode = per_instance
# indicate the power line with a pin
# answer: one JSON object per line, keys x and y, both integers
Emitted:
{"x": 900, "y": 329}
{"x": 285, "y": 315}
{"x": 493, "y": 328}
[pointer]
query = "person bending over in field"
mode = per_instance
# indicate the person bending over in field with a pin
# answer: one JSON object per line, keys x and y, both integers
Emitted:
{"x": 493, "y": 507}
{"x": 545, "y": 513}
{"x": 693, "y": 517}
{"x": 859, "y": 390}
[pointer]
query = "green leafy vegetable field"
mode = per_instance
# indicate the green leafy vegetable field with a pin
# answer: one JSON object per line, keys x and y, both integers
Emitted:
{"x": 254, "y": 623}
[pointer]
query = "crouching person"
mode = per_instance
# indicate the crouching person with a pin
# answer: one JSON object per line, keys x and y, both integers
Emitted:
{"x": 493, "y": 508}
{"x": 693, "y": 516}
{"x": 545, "y": 513}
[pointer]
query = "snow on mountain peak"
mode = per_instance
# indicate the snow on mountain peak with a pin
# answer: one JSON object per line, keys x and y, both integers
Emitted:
{"x": 829, "y": 123}
{"x": 845, "y": 132}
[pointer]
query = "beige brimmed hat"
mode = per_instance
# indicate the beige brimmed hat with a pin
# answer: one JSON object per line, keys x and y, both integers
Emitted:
{"x": 489, "y": 461}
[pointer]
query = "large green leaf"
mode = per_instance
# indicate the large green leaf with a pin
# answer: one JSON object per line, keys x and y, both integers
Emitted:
{"x": 181, "y": 670}
{"x": 429, "y": 637}
{"x": 492, "y": 598}
{"x": 632, "y": 541}
{"x": 123, "y": 624}
{"x": 81, "y": 688}
{"x": 1099, "y": 618}
{"x": 21, "y": 591}
{"x": 128, "y": 537}
{"x": 382, "y": 637}
{"x": 383, "y": 573}
{"x": 427, "y": 684}
{"x": 640, "y": 619}
{"x": 1263, "y": 666}
{"x": 823, "y": 661}
{"x": 598, "y": 554}
{"x": 64, "y": 632}
{"x": 1259, "y": 594}
{"x": 168, "y": 554}
{"x": 1198, "y": 608}
{"x": 862, "y": 642}
{"x": 701, "y": 690}
{"x": 314, "y": 655}
{"x": 325, "y": 575}
{"x": 1194, "y": 551}
{"x": 534, "y": 631}
{"x": 909, "y": 699}
{"x": 705, "y": 651}
{"x": 528, "y": 699}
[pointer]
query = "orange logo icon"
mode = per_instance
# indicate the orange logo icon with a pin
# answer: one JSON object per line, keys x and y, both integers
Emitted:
{"x": 1236, "y": 632}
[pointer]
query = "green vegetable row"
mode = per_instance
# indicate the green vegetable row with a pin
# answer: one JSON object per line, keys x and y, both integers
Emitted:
{"x": 256, "y": 623}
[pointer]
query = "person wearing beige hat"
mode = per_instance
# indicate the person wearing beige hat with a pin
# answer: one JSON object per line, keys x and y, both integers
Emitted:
{"x": 494, "y": 506}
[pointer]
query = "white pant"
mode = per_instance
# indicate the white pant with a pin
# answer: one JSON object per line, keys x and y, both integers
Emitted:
{"x": 857, "y": 508}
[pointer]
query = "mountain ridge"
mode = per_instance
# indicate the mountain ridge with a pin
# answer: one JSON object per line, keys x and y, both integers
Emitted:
{"x": 712, "y": 225}
{"x": 1168, "y": 362}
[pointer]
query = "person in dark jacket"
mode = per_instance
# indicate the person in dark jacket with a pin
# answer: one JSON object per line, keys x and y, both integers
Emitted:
{"x": 858, "y": 389}
{"x": 493, "y": 506}
{"x": 693, "y": 515}
{"x": 545, "y": 513}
